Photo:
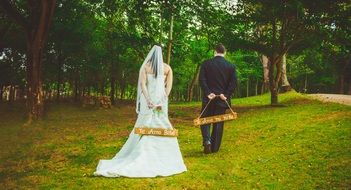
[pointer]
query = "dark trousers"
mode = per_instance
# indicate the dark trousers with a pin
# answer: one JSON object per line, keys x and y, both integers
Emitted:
{"x": 215, "y": 137}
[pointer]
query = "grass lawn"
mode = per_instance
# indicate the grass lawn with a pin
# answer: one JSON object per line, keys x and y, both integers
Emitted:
{"x": 304, "y": 144}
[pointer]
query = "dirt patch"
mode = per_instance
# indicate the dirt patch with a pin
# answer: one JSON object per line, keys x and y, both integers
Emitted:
{"x": 331, "y": 116}
{"x": 336, "y": 98}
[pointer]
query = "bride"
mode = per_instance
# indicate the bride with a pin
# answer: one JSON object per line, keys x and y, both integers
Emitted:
{"x": 145, "y": 155}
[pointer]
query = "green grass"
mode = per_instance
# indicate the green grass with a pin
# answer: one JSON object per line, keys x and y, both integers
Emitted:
{"x": 304, "y": 144}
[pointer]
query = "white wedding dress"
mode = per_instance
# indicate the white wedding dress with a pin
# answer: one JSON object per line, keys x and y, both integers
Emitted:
{"x": 146, "y": 155}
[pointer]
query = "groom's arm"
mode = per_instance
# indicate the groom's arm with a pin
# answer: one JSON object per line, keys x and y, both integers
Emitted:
{"x": 203, "y": 80}
{"x": 232, "y": 83}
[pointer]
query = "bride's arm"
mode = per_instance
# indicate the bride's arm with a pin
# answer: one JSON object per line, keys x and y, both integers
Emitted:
{"x": 143, "y": 86}
{"x": 169, "y": 81}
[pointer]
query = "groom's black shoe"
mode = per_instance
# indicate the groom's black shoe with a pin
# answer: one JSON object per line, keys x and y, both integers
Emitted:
{"x": 207, "y": 148}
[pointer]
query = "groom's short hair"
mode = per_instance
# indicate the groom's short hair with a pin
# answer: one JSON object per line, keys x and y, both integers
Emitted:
{"x": 220, "y": 48}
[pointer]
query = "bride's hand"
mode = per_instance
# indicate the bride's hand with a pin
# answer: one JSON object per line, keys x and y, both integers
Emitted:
{"x": 150, "y": 104}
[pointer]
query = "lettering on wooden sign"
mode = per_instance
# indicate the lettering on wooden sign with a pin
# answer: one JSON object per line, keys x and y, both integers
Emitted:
{"x": 156, "y": 131}
{"x": 215, "y": 119}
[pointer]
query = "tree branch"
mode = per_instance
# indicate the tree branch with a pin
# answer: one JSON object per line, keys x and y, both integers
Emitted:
{"x": 248, "y": 45}
{"x": 47, "y": 9}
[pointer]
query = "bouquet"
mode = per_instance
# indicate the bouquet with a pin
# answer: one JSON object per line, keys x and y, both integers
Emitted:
{"x": 157, "y": 109}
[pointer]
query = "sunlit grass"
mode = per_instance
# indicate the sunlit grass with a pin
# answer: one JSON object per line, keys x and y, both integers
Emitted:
{"x": 304, "y": 144}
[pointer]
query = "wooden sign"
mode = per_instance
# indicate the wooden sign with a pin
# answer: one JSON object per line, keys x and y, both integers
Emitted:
{"x": 215, "y": 119}
{"x": 156, "y": 131}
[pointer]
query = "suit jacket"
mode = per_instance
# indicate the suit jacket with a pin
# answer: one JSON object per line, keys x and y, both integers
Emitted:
{"x": 217, "y": 76}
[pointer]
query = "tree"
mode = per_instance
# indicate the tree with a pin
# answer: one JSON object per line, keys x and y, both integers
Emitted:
{"x": 36, "y": 25}
{"x": 284, "y": 25}
{"x": 337, "y": 45}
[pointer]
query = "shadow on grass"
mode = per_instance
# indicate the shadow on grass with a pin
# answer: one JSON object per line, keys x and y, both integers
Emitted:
{"x": 194, "y": 153}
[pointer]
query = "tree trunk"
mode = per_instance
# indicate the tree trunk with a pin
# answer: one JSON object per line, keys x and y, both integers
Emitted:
{"x": 265, "y": 62}
{"x": 305, "y": 84}
{"x": 112, "y": 61}
{"x": 200, "y": 93}
{"x": 11, "y": 94}
{"x": 81, "y": 90}
{"x": 247, "y": 87}
{"x": 34, "y": 80}
{"x": 89, "y": 91}
{"x": 14, "y": 93}
{"x": 76, "y": 88}
{"x": 274, "y": 97}
{"x": 170, "y": 41}
{"x": 256, "y": 87}
{"x": 1, "y": 93}
{"x": 193, "y": 81}
{"x": 275, "y": 62}
{"x": 341, "y": 83}
{"x": 284, "y": 79}
{"x": 161, "y": 27}
{"x": 59, "y": 73}
{"x": 102, "y": 88}
{"x": 122, "y": 90}
{"x": 347, "y": 71}
{"x": 112, "y": 93}
{"x": 116, "y": 91}
{"x": 238, "y": 92}
{"x": 7, "y": 93}
{"x": 17, "y": 93}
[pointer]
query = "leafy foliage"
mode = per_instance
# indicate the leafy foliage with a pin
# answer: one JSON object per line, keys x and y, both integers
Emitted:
{"x": 97, "y": 47}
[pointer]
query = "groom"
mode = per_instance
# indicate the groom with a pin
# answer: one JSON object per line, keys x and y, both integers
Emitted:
{"x": 218, "y": 80}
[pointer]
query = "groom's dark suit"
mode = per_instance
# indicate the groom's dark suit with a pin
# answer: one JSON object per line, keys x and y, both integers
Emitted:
{"x": 217, "y": 76}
